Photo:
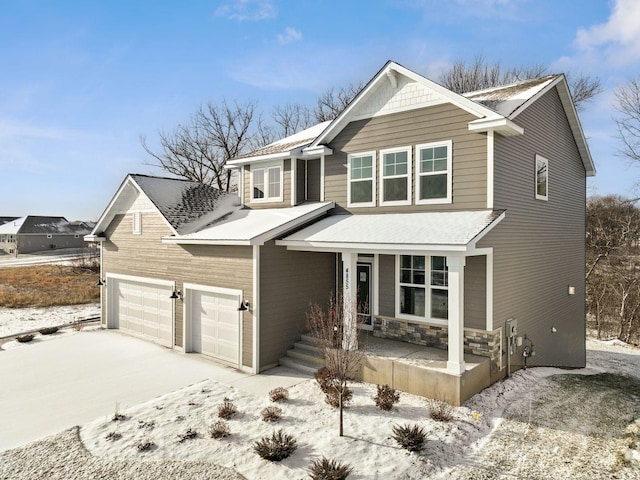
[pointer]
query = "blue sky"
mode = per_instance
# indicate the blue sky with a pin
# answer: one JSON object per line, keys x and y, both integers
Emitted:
{"x": 80, "y": 81}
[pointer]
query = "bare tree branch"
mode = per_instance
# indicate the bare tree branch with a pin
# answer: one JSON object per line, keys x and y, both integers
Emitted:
{"x": 628, "y": 120}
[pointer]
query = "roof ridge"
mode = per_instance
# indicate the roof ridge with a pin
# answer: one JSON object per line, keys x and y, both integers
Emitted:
{"x": 511, "y": 85}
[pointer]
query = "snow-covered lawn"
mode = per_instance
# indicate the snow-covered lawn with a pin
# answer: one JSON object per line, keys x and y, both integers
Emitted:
{"x": 542, "y": 423}
{"x": 18, "y": 320}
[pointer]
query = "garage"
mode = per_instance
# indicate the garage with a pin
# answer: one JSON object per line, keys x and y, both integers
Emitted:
{"x": 142, "y": 307}
{"x": 213, "y": 322}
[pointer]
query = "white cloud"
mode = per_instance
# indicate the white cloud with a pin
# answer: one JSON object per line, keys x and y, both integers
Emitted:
{"x": 290, "y": 35}
{"x": 253, "y": 10}
{"x": 616, "y": 42}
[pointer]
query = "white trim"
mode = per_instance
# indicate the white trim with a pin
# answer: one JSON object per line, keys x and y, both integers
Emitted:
{"x": 262, "y": 158}
{"x": 265, "y": 167}
{"x": 490, "y": 168}
{"x": 137, "y": 223}
{"x": 409, "y": 199}
{"x": 133, "y": 278}
{"x": 382, "y": 248}
{"x": 350, "y": 157}
{"x": 293, "y": 172}
{"x": 449, "y": 172}
{"x": 535, "y": 179}
{"x": 317, "y": 150}
{"x": 103, "y": 291}
{"x": 489, "y": 290}
{"x": 255, "y": 308}
{"x": 322, "y": 178}
{"x": 187, "y": 291}
{"x": 500, "y": 124}
{"x": 241, "y": 187}
{"x": 455, "y": 323}
{"x": 376, "y": 285}
{"x": 487, "y": 229}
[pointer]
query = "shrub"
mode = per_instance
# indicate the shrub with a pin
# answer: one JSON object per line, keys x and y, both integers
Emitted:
{"x": 48, "y": 330}
{"x": 219, "y": 429}
{"x": 25, "y": 338}
{"x": 329, "y": 469}
{"x": 440, "y": 411}
{"x": 118, "y": 416}
{"x": 277, "y": 447}
{"x": 271, "y": 414}
{"x": 410, "y": 437}
{"x": 386, "y": 397}
{"x": 145, "y": 445}
{"x": 188, "y": 435}
{"x": 329, "y": 387}
{"x": 113, "y": 436}
{"x": 279, "y": 394}
{"x": 227, "y": 409}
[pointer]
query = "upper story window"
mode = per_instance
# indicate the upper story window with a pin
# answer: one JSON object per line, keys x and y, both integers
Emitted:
{"x": 395, "y": 174}
{"x": 361, "y": 168}
{"x": 266, "y": 183}
{"x": 542, "y": 178}
{"x": 433, "y": 172}
{"x": 137, "y": 223}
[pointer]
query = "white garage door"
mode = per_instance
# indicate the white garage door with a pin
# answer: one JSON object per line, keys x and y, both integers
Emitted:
{"x": 215, "y": 324}
{"x": 143, "y": 309}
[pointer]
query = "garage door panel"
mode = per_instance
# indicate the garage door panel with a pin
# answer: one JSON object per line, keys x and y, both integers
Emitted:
{"x": 144, "y": 309}
{"x": 215, "y": 325}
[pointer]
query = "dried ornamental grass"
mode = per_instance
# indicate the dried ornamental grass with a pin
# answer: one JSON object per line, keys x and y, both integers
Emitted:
{"x": 278, "y": 446}
{"x": 271, "y": 414}
{"x": 440, "y": 411}
{"x": 329, "y": 469}
{"x": 409, "y": 437}
{"x": 279, "y": 394}
{"x": 227, "y": 410}
{"x": 219, "y": 429}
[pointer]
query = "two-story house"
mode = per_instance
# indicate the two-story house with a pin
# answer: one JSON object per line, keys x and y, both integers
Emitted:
{"x": 457, "y": 220}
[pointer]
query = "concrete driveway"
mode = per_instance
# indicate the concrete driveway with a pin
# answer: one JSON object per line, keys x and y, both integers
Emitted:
{"x": 50, "y": 386}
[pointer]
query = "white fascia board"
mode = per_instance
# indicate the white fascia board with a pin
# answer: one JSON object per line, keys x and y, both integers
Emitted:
{"x": 316, "y": 151}
{"x": 262, "y": 158}
{"x": 98, "y": 227}
{"x": 501, "y": 125}
{"x": 487, "y": 229}
{"x": 231, "y": 167}
{"x": 93, "y": 238}
{"x": 203, "y": 241}
{"x": 383, "y": 248}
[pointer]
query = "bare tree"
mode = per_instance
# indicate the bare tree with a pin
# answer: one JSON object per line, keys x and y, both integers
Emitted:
{"x": 336, "y": 333}
{"x": 292, "y": 118}
{"x": 332, "y": 102}
{"x": 199, "y": 149}
{"x": 628, "y": 119}
{"x": 462, "y": 77}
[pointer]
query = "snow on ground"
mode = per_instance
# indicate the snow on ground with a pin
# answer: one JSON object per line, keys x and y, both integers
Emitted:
{"x": 18, "y": 320}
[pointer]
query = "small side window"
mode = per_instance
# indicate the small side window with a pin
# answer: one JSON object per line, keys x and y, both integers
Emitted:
{"x": 137, "y": 223}
{"x": 542, "y": 178}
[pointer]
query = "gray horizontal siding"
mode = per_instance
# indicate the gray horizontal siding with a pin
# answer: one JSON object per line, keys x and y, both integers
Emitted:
{"x": 146, "y": 256}
{"x": 431, "y": 124}
{"x": 475, "y": 293}
{"x": 286, "y": 193}
{"x": 539, "y": 248}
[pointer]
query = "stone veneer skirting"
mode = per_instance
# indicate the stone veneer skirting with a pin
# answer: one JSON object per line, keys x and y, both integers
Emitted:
{"x": 477, "y": 342}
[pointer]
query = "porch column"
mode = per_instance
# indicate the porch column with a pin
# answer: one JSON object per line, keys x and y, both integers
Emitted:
{"x": 455, "y": 363}
{"x": 349, "y": 300}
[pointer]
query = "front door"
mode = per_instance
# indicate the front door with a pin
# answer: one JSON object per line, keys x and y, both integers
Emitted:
{"x": 364, "y": 295}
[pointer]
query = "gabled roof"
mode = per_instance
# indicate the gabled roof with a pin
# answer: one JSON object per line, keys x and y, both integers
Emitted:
{"x": 421, "y": 231}
{"x": 495, "y": 109}
{"x": 185, "y": 206}
{"x": 37, "y": 225}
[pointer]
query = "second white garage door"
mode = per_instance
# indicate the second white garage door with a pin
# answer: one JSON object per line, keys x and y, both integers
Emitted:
{"x": 214, "y": 322}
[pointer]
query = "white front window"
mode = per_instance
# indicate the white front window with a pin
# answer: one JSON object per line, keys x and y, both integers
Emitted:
{"x": 266, "y": 183}
{"x": 395, "y": 174}
{"x": 542, "y": 178}
{"x": 433, "y": 172}
{"x": 362, "y": 180}
{"x": 417, "y": 298}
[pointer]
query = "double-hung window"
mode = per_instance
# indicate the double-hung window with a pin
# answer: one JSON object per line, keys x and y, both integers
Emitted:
{"x": 542, "y": 178}
{"x": 395, "y": 175}
{"x": 266, "y": 183}
{"x": 433, "y": 172}
{"x": 362, "y": 180}
{"x": 423, "y": 288}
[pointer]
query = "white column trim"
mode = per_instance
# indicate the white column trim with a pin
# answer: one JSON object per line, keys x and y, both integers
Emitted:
{"x": 375, "y": 310}
{"x": 241, "y": 186}
{"x": 255, "y": 308}
{"x": 322, "y": 178}
{"x": 490, "y": 160}
{"x": 293, "y": 170}
{"x": 489, "y": 291}
{"x": 455, "y": 363}
{"x": 349, "y": 289}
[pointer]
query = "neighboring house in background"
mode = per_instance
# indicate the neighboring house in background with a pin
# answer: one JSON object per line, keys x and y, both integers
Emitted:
{"x": 449, "y": 217}
{"x": 4, "y": 220}
{"x": 34, "y": 234}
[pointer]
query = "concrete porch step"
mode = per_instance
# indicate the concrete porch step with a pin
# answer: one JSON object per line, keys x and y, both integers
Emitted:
{"x": 307, "y": 347}
{"x": 305, "y": 356}
{"x": 299, "y": 365}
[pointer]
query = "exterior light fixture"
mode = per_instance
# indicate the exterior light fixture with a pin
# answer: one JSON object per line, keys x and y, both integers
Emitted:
{"x": 572, "y": 290}
{"x": 101, "y": 283}
{"x": 244, "y": 306}
{"x": 176, "y": 294}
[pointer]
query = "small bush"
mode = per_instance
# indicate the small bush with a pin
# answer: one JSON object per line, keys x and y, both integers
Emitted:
{"x": 440, "y": 411}
{"x": 409, "y": 437}
{"x": 48, "y": 330}
{"x": 113, "y": 436}
{"x": 271, "y": 414}
{"x": 329, "y": 469}
{"x": 25, "y": 338}
{"x": 145, "y": 445}
{"x": 279, "y": 394}
{"x": 277, "y": 447}
{"x": 386, "y": 397}
{"x": 188, "y": 435}
{"x": 118, "y": 416}
{"x": 330, "y": 386}
{"x": 219, "y": 429}
{"x": 227, "y": 409}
